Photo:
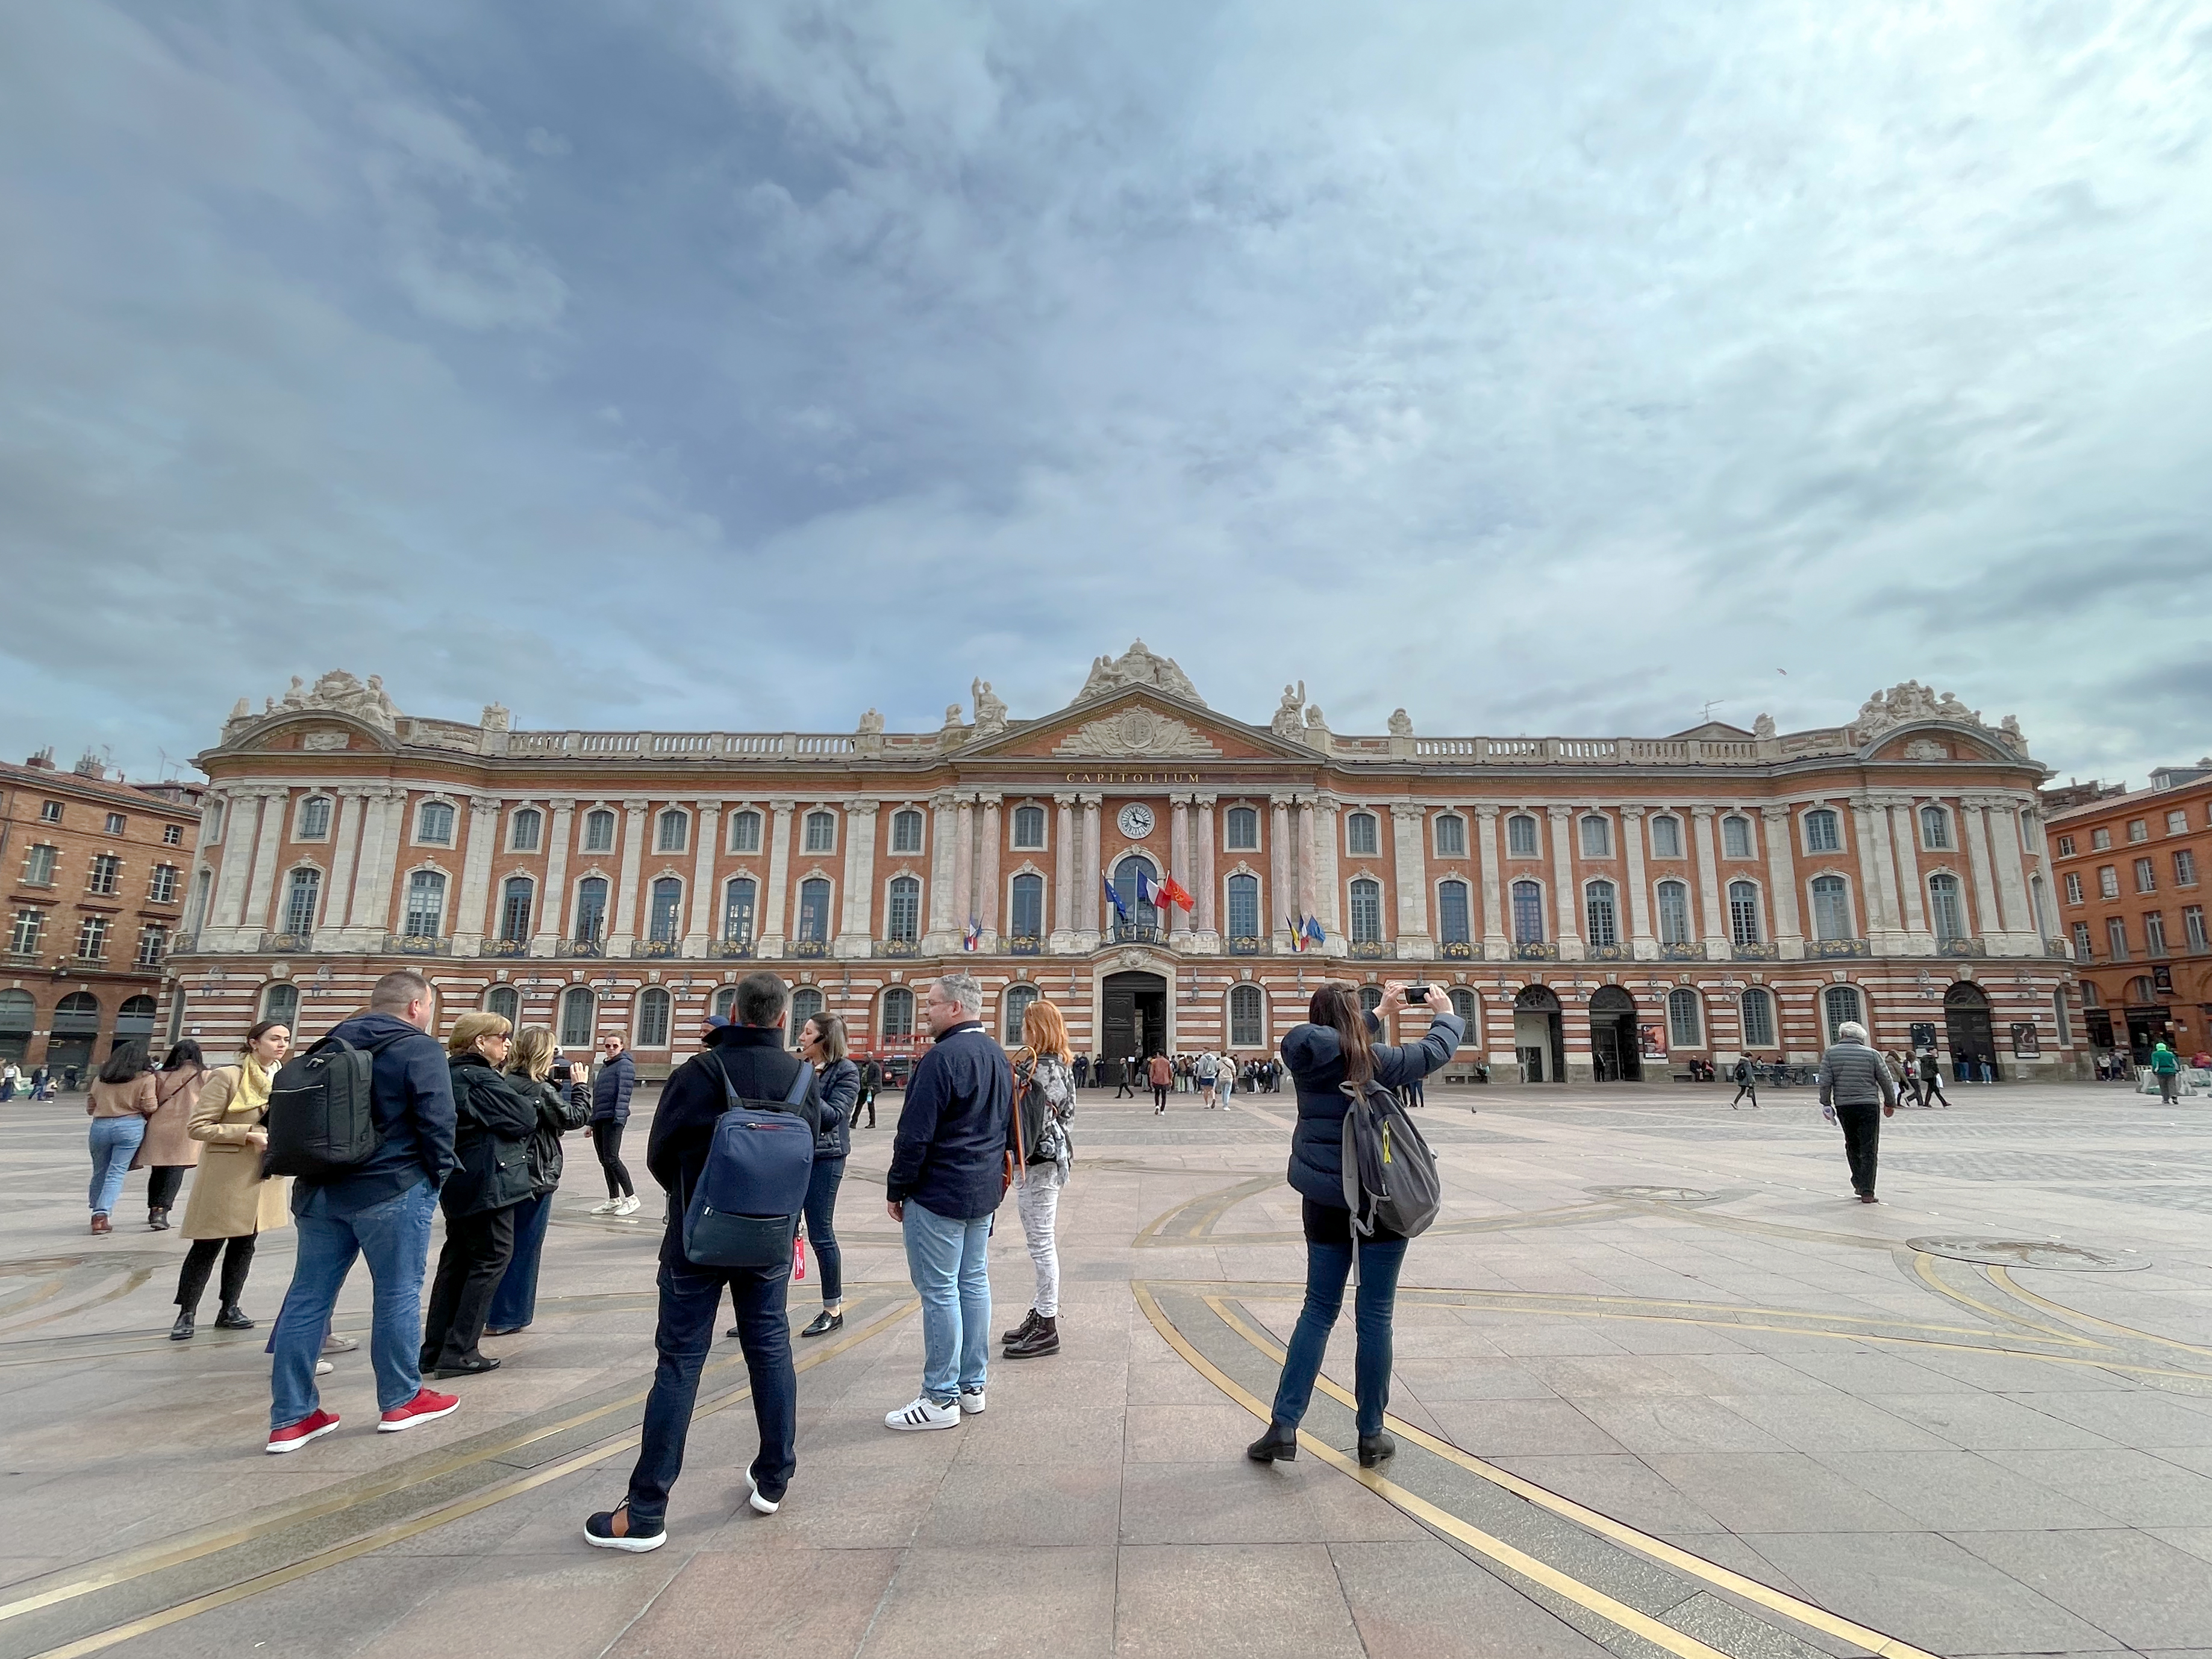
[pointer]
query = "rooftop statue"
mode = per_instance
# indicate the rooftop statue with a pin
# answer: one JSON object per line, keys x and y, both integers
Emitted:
{"x": 990, "y": 710}
{"x": 1137, "y": 666}
{"x": 1287, "y": 722}
{"x": 337, "y": 691}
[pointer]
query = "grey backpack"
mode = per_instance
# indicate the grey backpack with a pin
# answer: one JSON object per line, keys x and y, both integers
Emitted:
{"x": 1389, "y": 1173}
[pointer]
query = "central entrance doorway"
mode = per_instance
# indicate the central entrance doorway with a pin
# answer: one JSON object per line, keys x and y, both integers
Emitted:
{"x": 1136, "y": 1015}
{"x": 1614, "y": 1048}
{"x": 1966, "y": 1026}
{"x": 1538, "y": 1038}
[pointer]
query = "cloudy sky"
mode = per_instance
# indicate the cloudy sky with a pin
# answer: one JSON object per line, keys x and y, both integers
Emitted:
{"x": 740, "y": 364}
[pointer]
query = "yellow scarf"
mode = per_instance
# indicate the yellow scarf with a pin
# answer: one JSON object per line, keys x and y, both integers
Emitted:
{"x": 252, "y": 1086}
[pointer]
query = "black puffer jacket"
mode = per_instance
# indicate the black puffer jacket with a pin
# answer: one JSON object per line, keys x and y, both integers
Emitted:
{"x": 1315, "y": 1055}
{"x": 495, "y": 1118}
{"x": 557, "y": 1114}
{"x": 841, "y": 1087}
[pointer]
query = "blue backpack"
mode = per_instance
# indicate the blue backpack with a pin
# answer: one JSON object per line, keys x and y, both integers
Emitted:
{"x": 754, "y": 1183}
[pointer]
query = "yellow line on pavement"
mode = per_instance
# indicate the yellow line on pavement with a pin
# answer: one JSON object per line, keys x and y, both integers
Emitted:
{"x": 1923, "y": 1266}
{"x": 2003, "y": 1277}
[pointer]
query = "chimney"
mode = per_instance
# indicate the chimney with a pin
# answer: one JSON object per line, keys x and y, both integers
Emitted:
{"x": 43, "y": 761}
{"x": 89, "y": 766}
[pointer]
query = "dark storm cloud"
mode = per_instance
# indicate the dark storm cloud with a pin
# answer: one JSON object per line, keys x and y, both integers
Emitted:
{"x": 746, "y": 364}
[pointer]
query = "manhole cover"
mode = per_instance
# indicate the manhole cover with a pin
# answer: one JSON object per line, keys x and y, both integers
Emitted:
{"x": 1660, "y": 1194}
{"x": 2029, "y": 1253}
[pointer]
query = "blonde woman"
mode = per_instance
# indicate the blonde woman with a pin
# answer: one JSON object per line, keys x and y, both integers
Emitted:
{"x": 529, "y": 1067}
{"x": 494, "y": 1119}
{"x": 1044, "y": 1102}
{"x": 233, "y": 1203}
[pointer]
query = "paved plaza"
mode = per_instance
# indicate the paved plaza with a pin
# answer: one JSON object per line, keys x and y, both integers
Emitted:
{"x": 1661, "y": 1387}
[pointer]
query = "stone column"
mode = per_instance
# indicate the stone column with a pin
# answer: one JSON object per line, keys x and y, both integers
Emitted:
{"x": 1566, "y": 900}
{"x": 707, "y": 831}
{"x": 944, "y": 933}
{"x": 1495, "y": 939}
{"x": 1089, "y": 903}
{"x": 1206, "y": 897}
{"x": 992, "y": 838}
{"x": 384, "y": 824}
{"x": 1282, "y": 872}
{"x": 1708, "y": 885}
{"x": 2019, "y": 919}
{"x": 346, "y": 848}
{"x": 553, "y": 903}
{"x": 1873, "y": 899}
{"x": 1973, "y": 832}
{"x": 1409, "y": 828}
{"x": 1307, "y": 904}
{"x": 261, "y": 888}
{"x": 1891, "y": 940}
{"x": 775, "y": 912}
{"x": 963, "y": 866}
{"x": 1179, "y": 859}
{"x": 856, "y": 935}
{"x": 469, "y": 924}
{"x": 1641, "y": 943}
{"x": 623, "y": 935}
{"x": 1064, "y": 862}
{"x": 227, "y": 907}
{"x": 1905, "y": 845}
{"x": 1328, "y": 898}
{"x": 1781, "y": 882}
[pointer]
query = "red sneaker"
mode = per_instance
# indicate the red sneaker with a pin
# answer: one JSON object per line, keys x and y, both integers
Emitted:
{"x": 292, "y": 1436}
{"x": 424, "y": 1407}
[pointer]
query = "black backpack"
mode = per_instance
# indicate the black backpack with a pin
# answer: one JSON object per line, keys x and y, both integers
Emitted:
{"x": 322, "y": 1117}
{"x": 1389, "y": 1173}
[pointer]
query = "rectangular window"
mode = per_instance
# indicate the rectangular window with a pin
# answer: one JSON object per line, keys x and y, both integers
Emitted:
{"x": 104, "y": 868}
{"x": 152, "y": 942}
{"x": 1674, "y": 913}
{"x": 1451, "y": 837}
{"x": 50, "y": 812}
{"x": 23, "y": 937}
{"x": 1758, "y": 1020}
{"x": 172, "y": 834}
{"x": 1029, "y": 828}
{"x": 905, "y": 832}
{"x": 1735, "y": 837}
{"x": 821, "y": 832}
{"x": 38, "y": 867}
{"x": 1597, "y": 837}
{"x": 1241, "y": 832}
{"x": 2065, "y": 1018}
{"x": 1521, "y": 835}
{"x": 2146, "y": 877}
{"x": 2154, "y": 933}
{"x": 1822, "y": 831}
{"x": 2099, "y": 840}
{"x": 1367, "y": 912}
{"x": 2108, "y": 881}
{"x": 1360, "y": 834}
{"x": 2192, "y": 927}
{"x": 2066, "y": 846}
{"x": 2082, "y": 951}
{"x": 744, "y": 833}
{"x": 1935, "y": 829}
{"x": 2184, "y": 867}
{"x": 92, "y": 938}
{"x": 1527, "y": 913}
{"x": 2116, "y": 936}
{"x": 115, "y": 824}
{"x": 1451, "y": 913}
{"x": 1244, "y": 907}
{"x": 1598, "y": 903}
{"x": 162, "y": 886}
{"x": 2177, "y": 822}
{"x": 599, "y": 831}
{"x": 1026, "y": 909}
{"x": 1666, "y": 838}
{"x": 2073, "y": 887}
{"x": 2138, "y": 829}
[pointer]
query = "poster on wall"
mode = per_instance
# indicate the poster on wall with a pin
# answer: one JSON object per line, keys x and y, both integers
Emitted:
{"x": 1651, "y": 1042}
{"x": 2025, "y": 1044}
{"x": 1924, "y": 1037}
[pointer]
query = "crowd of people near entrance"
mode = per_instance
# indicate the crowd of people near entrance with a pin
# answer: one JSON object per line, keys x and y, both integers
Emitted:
{"x": 1217, "y": 1077}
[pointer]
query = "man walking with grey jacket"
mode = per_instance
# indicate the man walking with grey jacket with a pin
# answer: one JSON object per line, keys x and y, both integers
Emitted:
{"x": 1856, "y": 1082}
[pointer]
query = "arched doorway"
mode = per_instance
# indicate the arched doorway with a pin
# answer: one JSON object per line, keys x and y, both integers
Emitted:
{"x": 77, "y": 1024}
{"x": 16, "y": 1010}
{"x": 1538, "y": 1037}
{"x": 1134, "y": 1015}
{"x": 1966, "y": 1030}
{"x": 1613, "y": 1046}
{"x": 2149, "y": 1020}
{"x": 134, "y": 1023}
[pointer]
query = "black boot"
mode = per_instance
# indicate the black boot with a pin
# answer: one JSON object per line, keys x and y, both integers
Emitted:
{"x": 1279, "y": 1446}
{"x": 1043, "y": 1338}
{"x": 230, "y": 1318}
{"x": 157, "y": 1221}
{"x": 182, "y": 1330}
{"x": 1375, "y": 1448}
{"x": 1028, "y": 1324}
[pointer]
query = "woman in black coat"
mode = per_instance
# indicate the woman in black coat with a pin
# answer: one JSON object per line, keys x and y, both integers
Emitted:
{"x": 529, "y": 1068}
{"x": 494, "y": 1121}
{"x": 1337, "y": 1047}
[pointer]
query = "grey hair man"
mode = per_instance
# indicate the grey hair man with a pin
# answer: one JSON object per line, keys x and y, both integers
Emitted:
{"x": 1856, "y": 1082}
{"x": 950, "y": 1165}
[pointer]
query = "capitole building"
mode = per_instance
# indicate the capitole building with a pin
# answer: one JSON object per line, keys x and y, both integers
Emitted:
{"x": 1598, "y": 908}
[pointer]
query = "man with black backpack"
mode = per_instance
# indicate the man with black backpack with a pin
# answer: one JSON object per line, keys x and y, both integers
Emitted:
{"x": 366, "y": 1184}
{"x": 744, "y": 1067}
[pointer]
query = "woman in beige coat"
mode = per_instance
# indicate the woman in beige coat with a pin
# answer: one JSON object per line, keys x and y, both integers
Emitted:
{"x": 169, "y": 1149}
{"x": 232, "y": 1201}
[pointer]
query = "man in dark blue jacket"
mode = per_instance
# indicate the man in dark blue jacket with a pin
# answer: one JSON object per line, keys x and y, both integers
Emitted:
{"x": 380, "y": 1209}
{"x": 950, "y": 1168}
{"x": 760, "y": 1071}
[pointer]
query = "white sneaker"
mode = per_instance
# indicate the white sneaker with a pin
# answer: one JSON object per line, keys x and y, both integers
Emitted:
{"x": 627, "y": 1207}
{"x": 761, "y": 1505}
{"x": 324, "y": 1368}
{"x": 606, "y": 1208}
{"x": 924, "y": 1414}
{"x": 971, "y": 1401}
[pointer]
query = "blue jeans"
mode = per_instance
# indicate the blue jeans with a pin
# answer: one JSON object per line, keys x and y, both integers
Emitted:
{"x": 1328, "y": 1266}
{"x": 514, "y": 1304}
{"x": 395, "y": 1238}
{"x": 821, "y": 1229}
{"x": 114, "y": 1144}
{"x": 688, "y": 1298}
{"x": 946, "y": 1259}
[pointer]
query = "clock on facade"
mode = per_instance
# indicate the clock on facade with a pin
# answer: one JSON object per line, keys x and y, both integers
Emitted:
{"x": 1136, "y": 820}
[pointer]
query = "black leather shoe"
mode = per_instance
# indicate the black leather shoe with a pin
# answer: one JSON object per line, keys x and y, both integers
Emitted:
{"x": 476, "y": 1367}
{"x": 157, "y": 1221}
{"x": 824, "y": 1322}
{"x": 230, "y": 1319}
{"x": 1028, "y": 1324}
{"x": 1044, "y": 1339}
{"x": 182, "y": 1330}
{"x": 1375, "y": 1449}
{"x": 1278, "y": 1445}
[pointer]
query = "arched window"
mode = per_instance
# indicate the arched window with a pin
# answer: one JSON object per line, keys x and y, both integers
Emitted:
{"x": 738, "y": 899}
{"x": 1599, "y": 906}
{"x": 1371, "y": 998}
{"x": 1360, "y": 838}
{"x": 1025, "y": 909}
{"x": 664, "y": 910}
{"x": 16, "y": 1023}
{"x": 1685, "y": 1019}
{"x": 1141, "y": 912}
{"x": 899, "y": 1012}
{"x": 821, "y": 832}
{"x": 281, "y": 1001}
{"x": 1832, "y": 908}
{"x": 1935, "y": 829}
{"x": 133, "y": 1020}
{"x": 1244, "y": 907}
{"x": 302, "y": 889}
{"x": 1521, "y": 835}
{"x": 315, "y": 817}
{"x": 674, "y": 834}
{"x": 652, "y": 1005}
{"x": 725, "y": 1002}
{"x": 426, "y": 904}
{"x": 744, "y": 832}
{"x": 1029, "y": 828}
{"x": 591, "y": 910}
{"x": 524, "y": 830}
{"x": 1674, "y": 913}
{"x": 505, "y": 1001}
{"x": 517, "y": 899}
{"x": 806, "y": 1003}
{"x": 1527, "y": 913}
{"x": 1823, "y": 831}
{"x": 1452, "y": 923}
{"x": 1015, "y": 1007}
{"x": 905, "y": 830}
{"x": 1947, "y": 911}
{"x": 814, "y": 909}
{"x": 1597, "y": 836}
{"x": 1758, "y": 1019}
{"x": 1735, "y": 837}
{"x": 1743, "y": 912}
{"x": 1451, "y": 837}
{"x": 1666, "y": 838}
{"x": 433, "y": 823}
{"x": 1463, "y": 1005}
{"x": 1241, "y": 831}
{"x": 579, "y": 1012}
{"x": 1842, "y": 1004}
{"x": 1367, "y": 912}
{"x": 902, "y": 915}
{"x": 1248, "y": 1017}
{"x": 599, "y": 831}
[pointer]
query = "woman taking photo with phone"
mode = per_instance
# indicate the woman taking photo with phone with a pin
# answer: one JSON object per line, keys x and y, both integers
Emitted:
{"x": 1335, "y": 1049}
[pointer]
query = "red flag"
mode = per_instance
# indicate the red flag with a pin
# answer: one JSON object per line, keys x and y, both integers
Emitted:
{"x": 1171, "y": 892}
